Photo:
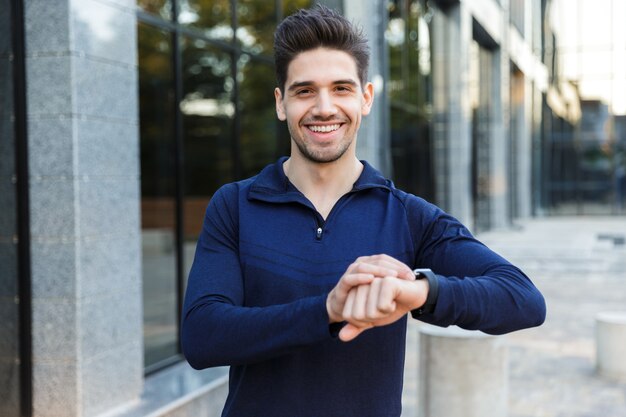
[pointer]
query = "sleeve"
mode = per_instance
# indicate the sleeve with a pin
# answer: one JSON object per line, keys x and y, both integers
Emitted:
{"x": 478, "y": 289}
{"x": 217, "y": 329}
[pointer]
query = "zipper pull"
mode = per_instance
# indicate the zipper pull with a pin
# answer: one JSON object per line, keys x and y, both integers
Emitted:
{"x": 319, "y": 233}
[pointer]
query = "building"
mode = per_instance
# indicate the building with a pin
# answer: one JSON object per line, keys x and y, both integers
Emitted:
{"x": 120, "y": 118}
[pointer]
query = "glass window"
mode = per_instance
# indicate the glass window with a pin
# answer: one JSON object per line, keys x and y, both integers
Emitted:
{"x": 481, "y": 92}
{"x": 256, "y": 20}
{"x": 259, "y": 143}
{"x": 162, "y": 8}
{"x": 158, "y": 188}
{"x": 290, "y": 6}
{"x": 10, "y": 383}
{"x": 208, "y": 112}
{"x": 409, "y": 89}
{"x": 213, "y": 17}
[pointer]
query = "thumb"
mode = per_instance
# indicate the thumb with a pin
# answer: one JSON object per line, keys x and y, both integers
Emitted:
{"x": 350, "y": 332}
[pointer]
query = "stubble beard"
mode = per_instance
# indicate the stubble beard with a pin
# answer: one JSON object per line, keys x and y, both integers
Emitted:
{"x": 320, "y": 157}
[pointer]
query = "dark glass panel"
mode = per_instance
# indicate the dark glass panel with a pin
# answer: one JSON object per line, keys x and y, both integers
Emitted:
{"x": 161, "y": 8}
{"x": 211, "y": 16}
{"x": 158, "y": 204}
{"x": 208, "y": 112}
{"x": 259, "y": 135}
{"x": 257, "y": 22}
{"x": 9, "y": 308}
{"x": 481, "y": 64}
{"x": 408, "y": 87}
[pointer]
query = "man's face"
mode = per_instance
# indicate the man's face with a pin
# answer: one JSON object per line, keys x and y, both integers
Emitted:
{"x": 323, "y": 104}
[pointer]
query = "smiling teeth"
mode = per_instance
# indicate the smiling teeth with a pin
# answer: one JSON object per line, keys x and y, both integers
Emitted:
{"x": 324, "y": 129}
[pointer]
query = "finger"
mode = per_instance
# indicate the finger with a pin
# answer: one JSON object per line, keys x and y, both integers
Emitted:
{"x": 347, "y": 307}
{"x": 373, "y": 268}
{"x": 386, "y": 300}
{"x": 359, "y": 310}
{"x": 403, "y": 270}
{"x": 382, "y": 260}
{"x": 336, "y": 299}
{"x": 372, "y": 300}
{"x": 351, "y": 280}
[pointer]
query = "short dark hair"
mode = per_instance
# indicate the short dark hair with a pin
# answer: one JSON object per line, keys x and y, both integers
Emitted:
{"x": 318, "y": 27}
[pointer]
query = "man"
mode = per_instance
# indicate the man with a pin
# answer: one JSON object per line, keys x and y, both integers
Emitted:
{"x": 302, "y": 278}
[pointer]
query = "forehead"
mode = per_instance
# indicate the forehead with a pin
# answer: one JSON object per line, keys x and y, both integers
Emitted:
{"x": 322, "y": 65}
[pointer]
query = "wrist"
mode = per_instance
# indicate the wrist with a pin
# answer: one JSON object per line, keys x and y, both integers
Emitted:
{"x": 332, "y": 317}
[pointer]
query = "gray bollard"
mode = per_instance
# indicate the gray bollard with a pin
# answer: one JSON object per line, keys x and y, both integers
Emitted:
{"x": 611, "y": 345}
{"x": 462, "y": 373}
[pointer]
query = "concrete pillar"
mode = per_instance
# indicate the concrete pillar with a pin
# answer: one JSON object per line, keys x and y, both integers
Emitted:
{"x": 462, "y": 373}
{"x": 611, "y": 344}
{"x": 81, "y": 59}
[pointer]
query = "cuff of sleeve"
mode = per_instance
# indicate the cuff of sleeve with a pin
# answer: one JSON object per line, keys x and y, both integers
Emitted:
{"x": 335, "y": 328}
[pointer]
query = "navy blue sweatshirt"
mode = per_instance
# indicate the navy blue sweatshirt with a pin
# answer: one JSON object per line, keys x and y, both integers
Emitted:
{"x": 265, "y": 263}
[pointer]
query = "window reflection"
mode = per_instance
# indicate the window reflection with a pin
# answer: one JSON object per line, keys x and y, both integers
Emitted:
{"x": 259, "y": 142}
{"x": 208, "y": 111}
{"x": 211, "y": 16}
{"x": 257, "y": 20}
{"x": 162, "y": 8}
{"x": 158, "y": 182}
{"x": 291, "y": 6}
{"x": 480, "y": 89}
{"x": 409, "y": 89}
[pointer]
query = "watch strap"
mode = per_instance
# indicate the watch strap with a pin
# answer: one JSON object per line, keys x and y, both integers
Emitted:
{"x": 433, "y": 291}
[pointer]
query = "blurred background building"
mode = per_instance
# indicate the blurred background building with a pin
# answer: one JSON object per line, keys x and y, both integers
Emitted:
{"x": 120, "y": 118}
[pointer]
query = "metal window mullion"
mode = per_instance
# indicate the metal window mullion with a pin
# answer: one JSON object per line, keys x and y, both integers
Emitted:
{"x": 236, "y": 128}
{"x": 23, "y": 207}
{"x": 179, "y": 154}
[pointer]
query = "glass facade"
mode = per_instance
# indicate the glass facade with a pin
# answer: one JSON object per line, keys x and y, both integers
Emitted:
{"x": 480, "y": 95}
{"x": 207, "y": 117}
{"x": 410, "y": 95}
{"x": 583, "y": 167}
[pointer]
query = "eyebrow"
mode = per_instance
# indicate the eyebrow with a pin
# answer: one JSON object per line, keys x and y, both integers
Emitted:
{"x": 310, "y": 83}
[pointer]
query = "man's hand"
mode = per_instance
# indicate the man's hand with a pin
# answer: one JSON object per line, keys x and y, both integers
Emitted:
{"x": 383, "y": 301}
{"x": 362, "y": 273}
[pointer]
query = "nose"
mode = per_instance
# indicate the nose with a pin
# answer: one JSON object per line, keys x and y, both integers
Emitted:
{"x": 324, "y": 106}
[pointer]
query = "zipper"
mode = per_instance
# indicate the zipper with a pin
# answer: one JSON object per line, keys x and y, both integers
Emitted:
{"x": 319, "y": 232}
{"x": 320, "y": 227}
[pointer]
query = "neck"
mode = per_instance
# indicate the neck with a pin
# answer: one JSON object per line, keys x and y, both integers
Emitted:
{"x": 323, "y": 183}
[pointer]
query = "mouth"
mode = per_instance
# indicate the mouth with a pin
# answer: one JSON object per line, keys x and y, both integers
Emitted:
{"x": 324, "y": 128}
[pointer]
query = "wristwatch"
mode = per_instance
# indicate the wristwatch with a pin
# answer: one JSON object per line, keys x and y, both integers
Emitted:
{"x": 433, "y": 291}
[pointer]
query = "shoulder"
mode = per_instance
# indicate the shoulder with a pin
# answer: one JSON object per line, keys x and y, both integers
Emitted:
{"x": 229, "y": 194}
{"x": 416, "y": 207}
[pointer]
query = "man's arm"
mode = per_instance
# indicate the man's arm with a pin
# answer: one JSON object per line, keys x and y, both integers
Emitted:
{"x": 477, "y": 289}
{"x": 217, "y": 329}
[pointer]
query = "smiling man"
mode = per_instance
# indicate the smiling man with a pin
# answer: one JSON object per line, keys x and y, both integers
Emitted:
{"x": 305, "y": 274}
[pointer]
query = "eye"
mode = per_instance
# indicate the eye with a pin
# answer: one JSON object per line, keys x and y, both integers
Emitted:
{"x": 343, "y": 89}
{"x": 304, "y": 92}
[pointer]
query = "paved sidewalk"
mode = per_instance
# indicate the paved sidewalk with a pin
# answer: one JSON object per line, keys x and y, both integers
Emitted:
{"x": 580, "y": 266}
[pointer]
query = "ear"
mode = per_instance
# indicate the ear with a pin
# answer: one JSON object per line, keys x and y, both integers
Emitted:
{"x": 280, "y": 108}
{"x": 368, "y": 98}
